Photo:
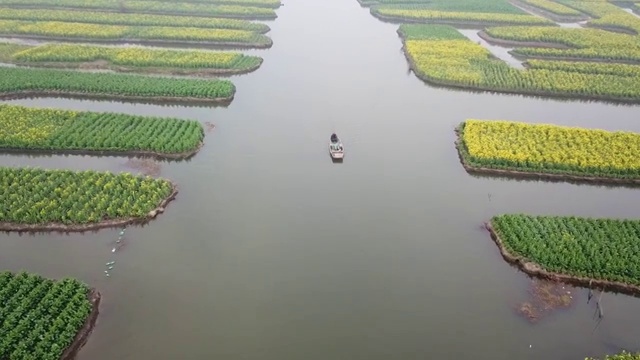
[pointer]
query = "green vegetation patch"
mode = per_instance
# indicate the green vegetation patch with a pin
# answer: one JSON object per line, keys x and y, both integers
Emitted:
{"x": 419, "y": 13}
{"x": 463, "y": 63}
{"x": 56, "y": 130}
{"x": 45, "y": 81}
{"x": 600, "y": 249}
{"x": 43, "y": 197}
{"x": 553, "y": 7}
{"x": 41, "y": 317}
{"x": 587, "y": 67}
{"x": 153, "y": 7}
{"x": 607, "y": 15}
{"x": 113, "y": 18}
{"x": 587, "y": 44}
{"x": 98, "y": 32}
{"x": 131, "y": 58}
{"x": 480, "y": 6}
{"x": 550, "y": 149}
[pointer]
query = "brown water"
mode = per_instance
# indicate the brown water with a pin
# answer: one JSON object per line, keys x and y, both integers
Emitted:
{"x": 271, "y": 252}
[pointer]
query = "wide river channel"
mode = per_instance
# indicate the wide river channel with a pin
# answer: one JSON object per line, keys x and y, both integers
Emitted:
{"x": 272, "y": 252}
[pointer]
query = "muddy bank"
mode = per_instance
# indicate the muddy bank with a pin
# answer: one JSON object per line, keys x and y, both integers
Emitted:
{"x": 462, "y": 23}
{"x": 106, "y": 65}
{"x": 536, "y": 270}
{"x": 544, "y": 94}
{"x": 126, "y": 11}
{"x": 163, "y": 100}
{"x": 129, "y": 153}
{"x": 515, "y": 43}
{"x": 149, "y": 42}
{"x": 58, "y": 227}
{"x": 548, "y": 14}
{"x": 568, "y": 177}
{"x": 83, "y": 335}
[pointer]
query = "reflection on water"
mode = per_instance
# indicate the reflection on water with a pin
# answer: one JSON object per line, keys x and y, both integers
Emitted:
{"x": 271, "y": 251}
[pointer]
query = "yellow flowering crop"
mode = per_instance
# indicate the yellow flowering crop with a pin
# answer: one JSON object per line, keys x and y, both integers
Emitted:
{"x": 133, "y": 56}
{"x": 553, "y": 7}
{"x": 427, "y": 15}
{"x": 551, "y": 148}
{"x": 129, "y": 32}
{"x": 448, "y": 59}
{"x": 23, "y": 126}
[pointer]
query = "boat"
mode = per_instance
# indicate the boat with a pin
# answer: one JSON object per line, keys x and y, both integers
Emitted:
{"x": 336, "y": 149}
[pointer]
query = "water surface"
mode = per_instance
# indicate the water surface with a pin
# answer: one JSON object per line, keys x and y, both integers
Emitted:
{"x": 271, "y": 252}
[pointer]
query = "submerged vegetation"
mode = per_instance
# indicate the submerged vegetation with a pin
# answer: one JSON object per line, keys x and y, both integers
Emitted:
{"x": 16, "y": 81}
{"x": 130, "y": 33}
{"x": 41, "y": 317}
{"x": 130, "y": 58}
{"x": 43, "y": 198}
{"x": 114, "y": 18}
{"x": 59, "y": 130}
{"x": 444, "y": 56}
{"x": 550, "y": 149}
{"x": 598, "y": 249}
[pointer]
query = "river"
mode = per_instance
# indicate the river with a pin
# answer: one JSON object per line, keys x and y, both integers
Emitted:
{"x": 272, "y": 252}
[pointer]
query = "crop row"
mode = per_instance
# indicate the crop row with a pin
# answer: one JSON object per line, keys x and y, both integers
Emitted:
{"x": 40, "y": 317}
{"x": 49, "y": 129}
{"x": 606, "y": 15}
{"x": 45, "y": 81}
{"x": 543, "y": 148}
{"x": 133, "y": 58}
{"x": 97, "y": 32}
{"x": 152, "y": 7}
{"x": 587, "y": 44}
{"x": 426, "y": 15}
{"x": 587, "y": 67}
{"x": 459, "y": 62}
{"x": 600, "y": 249}
{"x": 41, "y": 197}
{"x": 114, "y": 18}
{"x": 484, "y": 6}
{"x": 261, "y": 3}
{"x": 553, "y": 7}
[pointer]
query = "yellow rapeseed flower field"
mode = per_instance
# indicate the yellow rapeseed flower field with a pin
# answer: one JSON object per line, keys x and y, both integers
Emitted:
{"x": 536, "y": 147}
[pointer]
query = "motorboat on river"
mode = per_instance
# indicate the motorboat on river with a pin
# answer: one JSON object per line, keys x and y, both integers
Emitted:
{"x": 336, "y": 149}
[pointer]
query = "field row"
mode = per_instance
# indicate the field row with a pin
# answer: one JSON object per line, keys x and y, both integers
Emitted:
{"x": 58, "y": 130}
{"x": 426, "y": 15}
{"x": 554, "y": 8}
{"x": 136, "y": 59}
{"x": 604, "y": 250}
{"x": 115, "y": 18}
{"x": 17, "y": 81}
{"x": 485, "y": 6}
{"x": 549, "y": 149}
{"x": 606, "y": 15}
{"x": 587, "y": 44}
{"x": 441, "y": 55}
{"x": 621, "y": 356}
{"x": 41, "y": 318}
{"x": 151, "y": 7}
{"x": 127, "y": 33}
{"x": 60, "y": 198}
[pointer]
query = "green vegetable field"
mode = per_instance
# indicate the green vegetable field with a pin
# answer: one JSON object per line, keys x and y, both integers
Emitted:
{"x": 40, "y": 317}
{"x": 50, "y": 129}
{"x": 603, "y": 249}
{"x": 17, "y": 80}
{"x": 38, "y": 197}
